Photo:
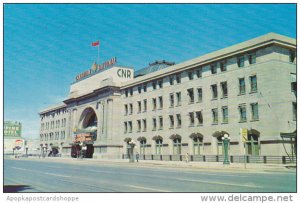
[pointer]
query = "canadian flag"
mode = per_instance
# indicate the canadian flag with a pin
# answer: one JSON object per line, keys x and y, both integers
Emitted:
{"x": 97, "y": 43}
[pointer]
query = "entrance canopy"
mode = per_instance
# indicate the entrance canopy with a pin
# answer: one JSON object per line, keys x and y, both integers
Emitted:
{"x": 289, "y": 135}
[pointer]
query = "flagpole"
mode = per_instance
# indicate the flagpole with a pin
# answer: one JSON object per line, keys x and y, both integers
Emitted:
{"x": 98, "y": 54}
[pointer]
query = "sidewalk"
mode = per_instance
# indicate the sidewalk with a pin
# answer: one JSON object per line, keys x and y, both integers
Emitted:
{"x": 178, "y": 164}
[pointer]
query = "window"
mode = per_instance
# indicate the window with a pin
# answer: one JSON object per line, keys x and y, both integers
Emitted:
{"x": 126, "y": 93}
{"x": 243, "y": 115}
{"x": 171, "y": 100}
{"x": 154, "y": 85}
{"x": 294, "y": 111}
{"x": 171, "y": 117}
{"x": 142, "y": 146}
{"x": 154, "y": 123}
{"x": 224, "y": 89}
{"x": 161, "y": 123}
{"x": 145, "y": 87}
{"x": 160, "y": 102}
{"x": 199, "y": 117}
{"x": 191, "y": 95}
{"x": 191, "y": 75}
{"x": 253, "y": 83}
{"x": 139, "y": 89}
{"x": 131, "y": 91}
{"x": 160, "y": 84}
{"x": 254, "y": 111}
{"x": 252, "y": 58}
{"x": 214, "y": 90}
{"x": 242, "y": 87}
{"x": 145, "y": 125}
{"x": 63, "y": 135}
{"x": 213, "y": 68}
{"x": 130, "y": 109}
{"x": 240, "y": 61}
{"x": 126, "y": 109}
{"x": 171, "y": 80}
{"x": 223, "y": 65}
{"x": 130, "y": 126}
{"x": 145, "y": 105}
{"x": 158, "y": 147}
{"x": 139, "y": 126}
{"x": 177, "y": 146}
{"x": 293, "y": 82}
{"x": 139, "y": 106}
{"x": 199, "y": 91}
{"x": 215, "y": 115}
{"x": 125, "y": 127}
{"x": 252, "y": 145}
{"x": 178, "y": 116}
{"x": 199, "y": 72}
{"x": 197, "y": 145}
{"x": 178, "y": 97}
{"x": 225, "y": 114}
{"x": 154, "y": 104}
{"x": 178, "y": 78}
{"x": 220, "y": 145}
{"x": 192, "y": 120}
{"x": 292, "y": 56}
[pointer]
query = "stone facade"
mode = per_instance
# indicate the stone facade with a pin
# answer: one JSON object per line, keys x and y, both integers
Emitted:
{"x": 189, "y": 106}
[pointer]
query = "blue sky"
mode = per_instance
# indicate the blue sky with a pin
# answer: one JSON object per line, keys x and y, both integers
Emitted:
{"x": 47, "y": 45}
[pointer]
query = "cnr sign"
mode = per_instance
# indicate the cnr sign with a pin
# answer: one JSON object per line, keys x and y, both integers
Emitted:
{"x": 124, "y": 73}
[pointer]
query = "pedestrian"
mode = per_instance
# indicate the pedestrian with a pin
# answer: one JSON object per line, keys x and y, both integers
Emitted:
{"x": 187, "y": 157}
{"x": 137, "y": 156}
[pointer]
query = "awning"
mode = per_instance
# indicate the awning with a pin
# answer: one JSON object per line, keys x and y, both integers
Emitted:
{"x": 219, "y": 133}
{"x": 157, "y": 137}
{"x": 289, "y": 135}
{"x": 253, "y": 132}
{"x": 141, "y": 139}
{"x": 196, "y": 135}
{"x": 175, "y": 136}
{"x": 127, "y": 139}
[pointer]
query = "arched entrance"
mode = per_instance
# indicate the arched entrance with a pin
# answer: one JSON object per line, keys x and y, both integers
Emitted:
{"x": 86, "y": 134}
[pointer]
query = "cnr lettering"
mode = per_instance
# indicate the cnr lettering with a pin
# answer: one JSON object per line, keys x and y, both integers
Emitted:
{"x": 123, "y": 73}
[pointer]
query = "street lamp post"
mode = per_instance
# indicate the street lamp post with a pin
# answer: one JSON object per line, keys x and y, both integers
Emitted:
{"x": 226, "y": 140}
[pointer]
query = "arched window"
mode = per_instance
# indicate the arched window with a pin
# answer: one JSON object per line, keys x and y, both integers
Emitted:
{"x": 220, "y": 145}
{"x": 177, "y": 146}
{"x": 252, "y": 144}
{"x": 197, "y": 145}
{"x": 142, "y": 141}
{"x": 158, "y": 146}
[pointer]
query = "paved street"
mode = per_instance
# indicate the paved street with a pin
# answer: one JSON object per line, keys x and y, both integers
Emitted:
{"x": 34, "y": 175}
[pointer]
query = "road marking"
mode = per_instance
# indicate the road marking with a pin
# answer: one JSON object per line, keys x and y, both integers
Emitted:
{"x": 219, "y": 183}
{"x": 147, "y": 188}
{"x": 53, "y": 174}
{"x": 23, "y": 169}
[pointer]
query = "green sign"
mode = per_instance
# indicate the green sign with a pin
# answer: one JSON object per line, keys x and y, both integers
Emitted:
{"x": 12, "y": 129}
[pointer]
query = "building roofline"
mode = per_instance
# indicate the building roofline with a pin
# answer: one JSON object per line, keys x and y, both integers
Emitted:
{"x": 246, "y": 46}
{"x": 53, "y": 108}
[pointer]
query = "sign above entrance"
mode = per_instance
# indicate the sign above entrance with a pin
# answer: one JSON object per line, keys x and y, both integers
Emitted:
{"x": 244, "y": 134}
{"x": 96, "y": 68}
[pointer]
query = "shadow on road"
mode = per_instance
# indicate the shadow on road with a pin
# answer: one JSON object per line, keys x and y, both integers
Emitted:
{"x": 15, "y": 188}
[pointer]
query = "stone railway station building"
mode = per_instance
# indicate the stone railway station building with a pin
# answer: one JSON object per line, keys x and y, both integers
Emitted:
{"x": 173, "y": 109}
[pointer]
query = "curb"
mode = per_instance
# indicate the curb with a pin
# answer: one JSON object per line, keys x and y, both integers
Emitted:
{"x": 216, "y": 166}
